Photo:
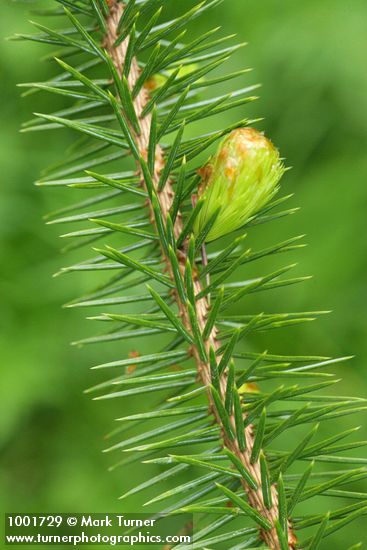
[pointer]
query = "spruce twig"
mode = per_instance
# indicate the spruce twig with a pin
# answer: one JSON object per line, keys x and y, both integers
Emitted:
{"x": 166, "y": 198}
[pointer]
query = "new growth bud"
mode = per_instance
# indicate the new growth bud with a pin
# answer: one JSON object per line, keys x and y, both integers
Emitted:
{"x": 240, "y": 179}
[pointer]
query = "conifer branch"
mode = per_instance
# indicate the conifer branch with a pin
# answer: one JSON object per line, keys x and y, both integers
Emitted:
{"x": 242, "y": 458}
{"x": 133, "y": 81}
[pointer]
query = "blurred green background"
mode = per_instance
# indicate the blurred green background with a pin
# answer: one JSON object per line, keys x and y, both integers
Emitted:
{"x": 310, "y": 58}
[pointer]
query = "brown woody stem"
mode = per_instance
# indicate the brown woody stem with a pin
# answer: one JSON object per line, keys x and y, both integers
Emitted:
{"x": 166, "y": 196}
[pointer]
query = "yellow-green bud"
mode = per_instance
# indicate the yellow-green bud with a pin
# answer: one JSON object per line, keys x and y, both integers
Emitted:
{"x": 158, "y": 79}
{"x": 239, "y": 179}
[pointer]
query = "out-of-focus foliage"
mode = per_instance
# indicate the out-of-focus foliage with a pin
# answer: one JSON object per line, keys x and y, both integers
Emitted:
{"x": 309, "y": 56}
